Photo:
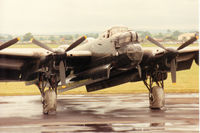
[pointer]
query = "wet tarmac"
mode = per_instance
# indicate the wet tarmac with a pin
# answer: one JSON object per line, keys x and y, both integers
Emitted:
{"x": 100, "y": 113}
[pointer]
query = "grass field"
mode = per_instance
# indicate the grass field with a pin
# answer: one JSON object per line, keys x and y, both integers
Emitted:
{"x": 18, "y": 45}
{"x": 187, "y": 82}
{"x": 56, "y": 45}
{"x": 166, "y": 45}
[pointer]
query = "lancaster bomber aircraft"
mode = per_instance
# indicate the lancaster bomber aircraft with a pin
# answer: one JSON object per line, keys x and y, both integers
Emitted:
{"x": 114, "y": 58}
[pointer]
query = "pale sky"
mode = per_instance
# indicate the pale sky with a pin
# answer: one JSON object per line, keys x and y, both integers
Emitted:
{"x": 59, "y": 16}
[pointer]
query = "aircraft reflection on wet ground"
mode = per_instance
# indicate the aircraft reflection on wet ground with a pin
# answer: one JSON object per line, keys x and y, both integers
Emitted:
{"x": 100, "y": 113}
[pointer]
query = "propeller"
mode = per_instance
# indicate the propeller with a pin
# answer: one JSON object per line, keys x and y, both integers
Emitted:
{"x": 9, "y": 43}
{"x": 188, "y": 42}
{"x": 62, "y": 72}
{"x": 61, "y": 64}
{"x": 155, "y": 42}
{"x": 173, "y": 53}
{"x": 173, "y": 70}
{"x": 42, "y": 45}
{"x": 76, "y": 43}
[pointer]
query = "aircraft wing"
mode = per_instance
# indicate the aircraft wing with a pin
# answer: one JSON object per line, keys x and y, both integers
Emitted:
{"x": 16, "y": 64}
{"x": 186, "y": 57}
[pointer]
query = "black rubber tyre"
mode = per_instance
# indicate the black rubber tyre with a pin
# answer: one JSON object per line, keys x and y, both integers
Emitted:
{"x": 49, "y": 102}
{"x": 157, "y": 98}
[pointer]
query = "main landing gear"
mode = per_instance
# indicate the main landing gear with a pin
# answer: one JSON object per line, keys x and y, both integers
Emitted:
{"x": 49, "y": 96}
{"x": 156, "y": 93}
{"x": 49, "y": 102}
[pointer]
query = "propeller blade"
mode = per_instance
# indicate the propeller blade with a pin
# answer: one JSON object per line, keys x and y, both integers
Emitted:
{"x": 188, "y": 42}
{"x": 76, "y": 43}
{"x": 9, "y": 43}
{"x": 62, "y": 73}
{"x": 173, "y": 70}
{"x": 42, "y": 45}
{"x": 155, "y": 42}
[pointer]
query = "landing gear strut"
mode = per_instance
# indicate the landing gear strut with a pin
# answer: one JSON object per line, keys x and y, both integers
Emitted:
{"x": 156, "y": 93}
{"x": 49, "y": 96}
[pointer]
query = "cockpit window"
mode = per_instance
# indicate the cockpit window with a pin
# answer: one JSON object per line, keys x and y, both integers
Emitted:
{"x": 114, "y": 30}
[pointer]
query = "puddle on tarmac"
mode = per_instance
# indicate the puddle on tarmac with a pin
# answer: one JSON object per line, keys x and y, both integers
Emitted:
{"x": 123, "y": 127}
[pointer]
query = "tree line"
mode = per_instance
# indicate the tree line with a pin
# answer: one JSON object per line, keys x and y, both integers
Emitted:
{"x": 168, "y": 35}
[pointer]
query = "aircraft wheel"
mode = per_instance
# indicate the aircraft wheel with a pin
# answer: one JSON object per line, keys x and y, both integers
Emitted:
{"x": 157, "y": 98}
{"x": 49, "y": 101}
{"x": 42, "y": 99}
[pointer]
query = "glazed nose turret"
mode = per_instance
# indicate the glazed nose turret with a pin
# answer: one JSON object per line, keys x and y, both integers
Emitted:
{"x": 134, "y": 53}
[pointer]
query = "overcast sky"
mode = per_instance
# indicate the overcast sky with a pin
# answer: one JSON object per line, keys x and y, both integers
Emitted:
{"x": 59, "y": 16}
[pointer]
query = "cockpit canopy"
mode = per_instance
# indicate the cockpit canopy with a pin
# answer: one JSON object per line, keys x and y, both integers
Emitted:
{"x": 120, "y": 35}
{"x": 114, "y": 30}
